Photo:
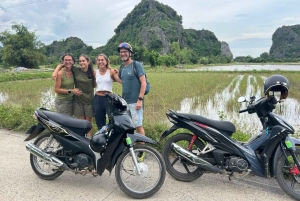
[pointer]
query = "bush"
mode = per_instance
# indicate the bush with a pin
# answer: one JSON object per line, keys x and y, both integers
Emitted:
{"x": 16, "y": 117}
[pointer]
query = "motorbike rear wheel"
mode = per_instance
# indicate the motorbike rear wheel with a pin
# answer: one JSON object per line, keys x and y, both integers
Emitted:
{"x": 289, "y": 182}
{"x": 152, "y": 177}
{"x": 42, "y": 168}
{"x": 178, "y": 167}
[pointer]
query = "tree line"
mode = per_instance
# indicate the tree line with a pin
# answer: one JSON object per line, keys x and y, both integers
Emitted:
{"x": 22, "y": 48}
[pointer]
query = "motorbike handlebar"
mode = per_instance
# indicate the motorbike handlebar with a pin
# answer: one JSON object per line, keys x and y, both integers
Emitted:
{"x": 245, "y": 110}
{"x": 250, "y": 109}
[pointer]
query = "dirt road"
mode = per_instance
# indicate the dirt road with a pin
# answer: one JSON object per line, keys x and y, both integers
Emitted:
{"x": 19, "y": 182}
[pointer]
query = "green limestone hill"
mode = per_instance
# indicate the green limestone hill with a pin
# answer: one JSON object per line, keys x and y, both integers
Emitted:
{"x": 155, "y": 26}
{"x": 73, "y": 45}
{"x": 286, "y": 42}
{"x": 150, "y": 26}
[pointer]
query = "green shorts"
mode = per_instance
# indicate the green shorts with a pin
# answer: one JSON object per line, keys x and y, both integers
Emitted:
{"x": 83, "y": 110}
{"x": 64, "y": 106}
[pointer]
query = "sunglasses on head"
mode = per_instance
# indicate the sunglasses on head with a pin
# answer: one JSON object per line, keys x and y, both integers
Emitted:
{"x": 124, "y": 45}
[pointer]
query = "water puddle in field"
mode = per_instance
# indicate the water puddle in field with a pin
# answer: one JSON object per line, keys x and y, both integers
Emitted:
{"x": 48, "y": 99}
{"x": 248, "y": 68}
{"x": 3, "y": 97}
{"x": 216, "y": 107}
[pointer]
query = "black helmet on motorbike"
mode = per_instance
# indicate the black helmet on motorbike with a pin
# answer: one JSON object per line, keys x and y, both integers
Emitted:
{"x": 277, "y": 83}
{"x": 98, "y": 142}
{"x": 126, "y": 46}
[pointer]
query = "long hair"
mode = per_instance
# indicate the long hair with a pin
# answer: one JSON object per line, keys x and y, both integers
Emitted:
{"x": 90, "y": 71}
{"x": 106, "y": 59}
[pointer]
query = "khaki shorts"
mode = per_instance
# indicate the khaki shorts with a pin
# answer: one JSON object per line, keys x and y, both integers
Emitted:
{"x": 64, "y": 106}
{"x": 83, "y": 110}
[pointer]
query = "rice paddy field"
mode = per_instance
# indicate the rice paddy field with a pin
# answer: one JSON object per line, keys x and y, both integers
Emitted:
{"x": 207, "y": 93}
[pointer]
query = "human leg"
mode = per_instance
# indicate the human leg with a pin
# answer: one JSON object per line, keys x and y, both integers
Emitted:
{"x": 137, "y": 117}
{"x": 99, "y": 103}
{"x": 84, "y": 111}
{"x": 64, "y": 106}
{"x": 88, "y": 113}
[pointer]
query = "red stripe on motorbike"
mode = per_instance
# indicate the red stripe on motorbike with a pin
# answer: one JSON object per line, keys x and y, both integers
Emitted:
{"x": 201, "y": 125}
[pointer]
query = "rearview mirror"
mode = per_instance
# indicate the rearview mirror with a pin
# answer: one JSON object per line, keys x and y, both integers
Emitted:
{"x": 242, "y": 99}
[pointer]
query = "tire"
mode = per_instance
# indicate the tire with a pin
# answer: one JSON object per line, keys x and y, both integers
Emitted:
{"x": 43, "y": 169}
{"x": 178, "y": 167}
{"x": 151, "y": 179}
{"x": 285, "y": 179}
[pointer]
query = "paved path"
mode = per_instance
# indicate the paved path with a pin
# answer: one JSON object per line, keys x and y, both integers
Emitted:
{"x": 19, "y": 182}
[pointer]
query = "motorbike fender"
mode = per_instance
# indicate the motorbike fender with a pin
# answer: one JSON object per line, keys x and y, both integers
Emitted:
{"x": 279, "y": 152}
{"x": 116, "y": 155}
{"x": 168, "y": 132}
{"x": 136, "y": 137}
{"x": 34, "y": 131}
{"x": 274, "y": 160}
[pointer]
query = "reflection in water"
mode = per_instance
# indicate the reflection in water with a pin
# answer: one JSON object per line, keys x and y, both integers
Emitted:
{"x": 3, "y": 97}
{"x": 248, "y": 68}
{"x": 48, "y": 99}
{"x": 248, "y": 123}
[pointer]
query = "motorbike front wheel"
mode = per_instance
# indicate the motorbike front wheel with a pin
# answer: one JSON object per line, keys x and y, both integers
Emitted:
{"x": 286, "y": 175}
{"x": 42, "y": 168}
{"x": 152, "y": 172}
{"x": 178, "y": 167}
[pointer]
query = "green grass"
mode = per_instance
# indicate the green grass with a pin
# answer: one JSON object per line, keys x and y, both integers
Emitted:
{"x": 169, "y": 88}
{"x": 14, "y": 76}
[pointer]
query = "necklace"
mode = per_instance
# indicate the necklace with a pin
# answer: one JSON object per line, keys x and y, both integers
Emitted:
{"x": 69, "y": 73}
{"x": 102, "y": 72}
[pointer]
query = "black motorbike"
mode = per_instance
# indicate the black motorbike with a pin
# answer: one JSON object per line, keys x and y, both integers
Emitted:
{"x": 209, "y": 148}
{"x": 65, "y": 148}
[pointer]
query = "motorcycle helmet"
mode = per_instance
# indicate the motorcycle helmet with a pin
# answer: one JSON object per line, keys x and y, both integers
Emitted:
{"x": 126, "y": 46}
{"x": 277, "y": 83}
{"x": 98, "y": 142}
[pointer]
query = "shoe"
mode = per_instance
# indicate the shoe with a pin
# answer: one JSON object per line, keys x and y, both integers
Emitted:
{"x": 89, "y": 137}
{"x": 141, "y": 156}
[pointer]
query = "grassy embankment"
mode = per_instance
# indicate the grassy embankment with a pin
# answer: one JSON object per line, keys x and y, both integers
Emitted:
{"x": 168, "y": 89}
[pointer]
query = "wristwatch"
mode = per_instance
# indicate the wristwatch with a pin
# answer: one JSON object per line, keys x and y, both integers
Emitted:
{"x": 69, "y": 91}
{"x": 140, "y": 98}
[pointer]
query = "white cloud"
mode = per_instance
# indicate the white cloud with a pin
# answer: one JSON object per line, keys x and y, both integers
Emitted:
{"x": 94, "y": 21}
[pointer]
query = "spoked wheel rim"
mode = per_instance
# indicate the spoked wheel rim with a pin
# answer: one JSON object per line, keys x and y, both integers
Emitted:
{"x": 288, "y": 175}
{"x": 42, "y": 166}
{"x": 291, "y": 179}
{"x": 151, "y": 171}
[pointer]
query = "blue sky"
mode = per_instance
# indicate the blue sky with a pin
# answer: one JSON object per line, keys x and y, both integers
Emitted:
{"x": 247, "y": 26}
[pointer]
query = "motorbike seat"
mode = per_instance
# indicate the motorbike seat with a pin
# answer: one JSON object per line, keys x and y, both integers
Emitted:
{"x": 221, "y": 125}
{"x": 79, "y": 126}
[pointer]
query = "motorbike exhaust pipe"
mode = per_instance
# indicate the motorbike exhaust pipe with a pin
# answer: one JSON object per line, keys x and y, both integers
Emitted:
{"x": 32, "y": 148}
{"x": 196, "y": 160}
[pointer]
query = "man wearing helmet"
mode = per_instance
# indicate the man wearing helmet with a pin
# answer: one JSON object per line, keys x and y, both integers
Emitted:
{"x": 133, "y": 88}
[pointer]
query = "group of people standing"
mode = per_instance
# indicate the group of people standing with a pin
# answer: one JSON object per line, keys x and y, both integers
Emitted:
{"x": 75, "y": 87}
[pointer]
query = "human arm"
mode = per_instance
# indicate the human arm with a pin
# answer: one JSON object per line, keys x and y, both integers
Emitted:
{"x": 59, "y": 90}
{"x": 55, "y": 72}
{"x": 139, "y": 102}
{"x": 94, "y": 79}
{"x": 114, "y": 75}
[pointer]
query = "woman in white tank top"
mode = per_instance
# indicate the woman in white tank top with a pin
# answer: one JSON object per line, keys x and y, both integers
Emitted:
{"x": 105, "y": 76}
